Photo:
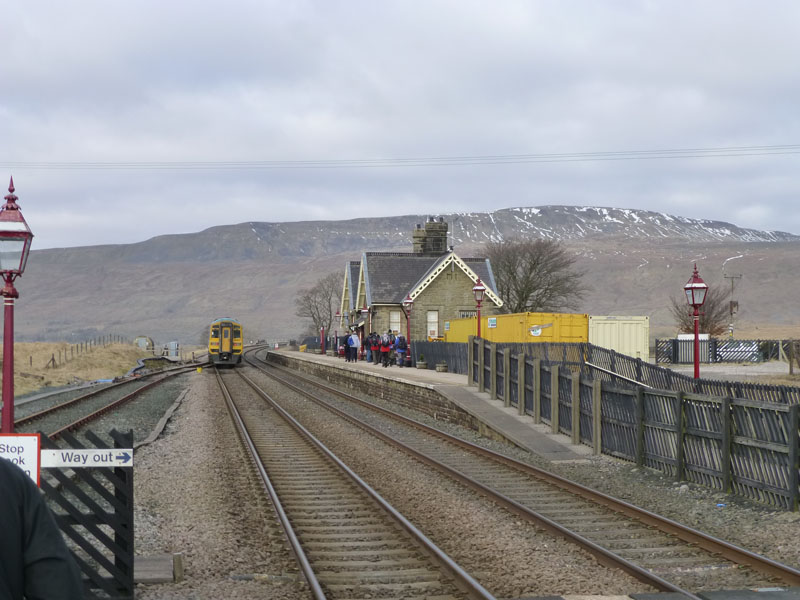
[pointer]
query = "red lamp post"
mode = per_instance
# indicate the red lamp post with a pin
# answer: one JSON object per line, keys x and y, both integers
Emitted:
{"x": 365, "y": 311}
{"x": 15, "y": 244}
{"x": 408, "y": 304}
{"x": 322, "y": 340}
{"x": 696, "y": 290}
{"x": 338, "y": 317}
{"x": 478, "y": 291}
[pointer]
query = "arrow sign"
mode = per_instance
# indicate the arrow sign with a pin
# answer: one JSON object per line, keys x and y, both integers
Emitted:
{"x": 51, "y": 459}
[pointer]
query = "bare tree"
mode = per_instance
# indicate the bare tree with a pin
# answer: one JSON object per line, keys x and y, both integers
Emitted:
{"x": 318, "y": 303}
{"x": 535, "y": 276}
{"x": 714, "y": 313}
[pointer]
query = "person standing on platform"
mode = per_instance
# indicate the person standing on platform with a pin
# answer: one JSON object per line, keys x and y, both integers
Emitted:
{"x": 400, "y": 349}
{"x": 355, "y": 345}
{"x": 347, "y": 348}
{"x": 35, "y": 562}
{"x": 386, "y": 346}
{"x": 375, "y": 344}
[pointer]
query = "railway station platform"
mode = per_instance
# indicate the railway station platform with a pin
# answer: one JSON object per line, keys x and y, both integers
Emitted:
{"x": 492, "y": 414}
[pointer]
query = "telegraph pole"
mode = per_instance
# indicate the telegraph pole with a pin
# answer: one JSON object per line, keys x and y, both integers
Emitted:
{"x": 734, "y": 306}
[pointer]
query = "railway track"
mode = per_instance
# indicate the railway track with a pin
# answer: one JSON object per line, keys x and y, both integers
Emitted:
{"x": 76, "y": 412}
{"x": 655, "y": 550}
{"x": 348, "y": 541}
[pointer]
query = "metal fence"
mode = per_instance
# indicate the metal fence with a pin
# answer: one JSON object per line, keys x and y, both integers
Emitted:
{"x": 453, "y": 354}
{"x": 741, "y": 446}
{"x": 595, "y": 362}
{"x": 681, "y": 352}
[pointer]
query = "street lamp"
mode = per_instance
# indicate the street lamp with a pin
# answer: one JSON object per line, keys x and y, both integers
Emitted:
{"x": 696, "y": 290}
{"x": 478, "y": 290}
{"x": 338, "y": 317}
{"x": 15, "y": 243}
{"x": 365, "y": 311}
{"x": 408, "y": 304}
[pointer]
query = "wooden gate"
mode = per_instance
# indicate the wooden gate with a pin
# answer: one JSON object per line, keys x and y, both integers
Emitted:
{"x": 94, "y": 509}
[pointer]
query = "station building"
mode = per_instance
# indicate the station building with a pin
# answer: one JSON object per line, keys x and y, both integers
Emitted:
{"x": 437, "y": 279}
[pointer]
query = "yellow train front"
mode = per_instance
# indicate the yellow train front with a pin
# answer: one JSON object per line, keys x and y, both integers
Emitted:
{"x": 225, "y": 342}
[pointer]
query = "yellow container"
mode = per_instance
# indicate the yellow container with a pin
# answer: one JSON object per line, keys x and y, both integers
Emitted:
{"x": 522, "y": 328}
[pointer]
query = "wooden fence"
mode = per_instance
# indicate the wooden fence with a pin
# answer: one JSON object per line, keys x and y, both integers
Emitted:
{"x": 94, "y": 509}
{"x": 735, "y": 445}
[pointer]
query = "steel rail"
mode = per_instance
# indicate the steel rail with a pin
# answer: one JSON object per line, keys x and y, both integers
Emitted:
{"x": 109, "y": 407}
{"x": 294, "y": 543}
{"x": 462, "y": 579}
{"x": 603, "y": 555}
{"x": 709, "y": 543}
{"x": 54, "y": 409}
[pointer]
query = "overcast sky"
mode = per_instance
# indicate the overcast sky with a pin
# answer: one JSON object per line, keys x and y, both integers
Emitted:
{"x": 120, "y": 121}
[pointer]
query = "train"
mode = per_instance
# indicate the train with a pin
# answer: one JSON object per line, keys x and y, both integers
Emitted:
{"x": 225, "y": 342}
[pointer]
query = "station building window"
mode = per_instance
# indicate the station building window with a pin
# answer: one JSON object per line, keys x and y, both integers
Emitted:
{"x": 433, "y": 324}
{"x": 394, "y": 320}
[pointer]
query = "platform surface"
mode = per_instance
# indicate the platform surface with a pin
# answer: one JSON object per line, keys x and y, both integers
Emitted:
{"x": 520, "y": 429}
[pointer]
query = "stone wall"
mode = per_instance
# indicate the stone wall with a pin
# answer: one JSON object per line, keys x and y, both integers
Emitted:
{"x": 449, "y": 293}
{"x": 417, "y": 397}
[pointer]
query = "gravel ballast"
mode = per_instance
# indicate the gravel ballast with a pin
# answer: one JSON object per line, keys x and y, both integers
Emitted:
{"x": 191, "y": 497}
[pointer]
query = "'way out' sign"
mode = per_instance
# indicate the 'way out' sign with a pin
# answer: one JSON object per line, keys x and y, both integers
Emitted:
{"x": 23, "y": 450}
{"x": 87, "y": 458}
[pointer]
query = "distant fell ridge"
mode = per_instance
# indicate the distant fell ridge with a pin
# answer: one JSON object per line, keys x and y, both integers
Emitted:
{"x": 170, "y": 287}
{"x": 583, "y": 222}
{"x": 263, "y": 241}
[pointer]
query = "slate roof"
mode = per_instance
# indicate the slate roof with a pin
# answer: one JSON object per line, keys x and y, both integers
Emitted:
{"x": 392, "y": 275}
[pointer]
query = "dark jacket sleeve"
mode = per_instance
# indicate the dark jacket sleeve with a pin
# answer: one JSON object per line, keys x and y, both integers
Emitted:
{"x": 48, "y": 570}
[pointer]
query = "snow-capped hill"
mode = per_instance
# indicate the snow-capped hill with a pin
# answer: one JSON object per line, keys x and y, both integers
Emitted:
{"x": 581, "y": 222}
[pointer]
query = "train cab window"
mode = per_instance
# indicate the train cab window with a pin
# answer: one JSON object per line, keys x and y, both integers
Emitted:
{"x": 215, "y": 332}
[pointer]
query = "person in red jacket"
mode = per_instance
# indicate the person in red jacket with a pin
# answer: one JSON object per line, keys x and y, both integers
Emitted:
{"x": 386, "y": 346}
{"x": 375, "y": 347}
{"x": 35, "y": 562}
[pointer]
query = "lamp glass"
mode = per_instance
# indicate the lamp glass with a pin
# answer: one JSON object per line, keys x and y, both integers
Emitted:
{"x": 12, "y": 254}
{"x": 478, "y": 292}
{"x": 700, "y": 294}
{"x": 695, "y": 293}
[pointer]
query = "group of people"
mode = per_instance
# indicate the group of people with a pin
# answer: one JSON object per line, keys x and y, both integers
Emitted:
{"x": 381, "y": 349}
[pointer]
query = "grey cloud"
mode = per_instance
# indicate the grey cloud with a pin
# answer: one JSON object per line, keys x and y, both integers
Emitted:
{"x": 250, "y": 80}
